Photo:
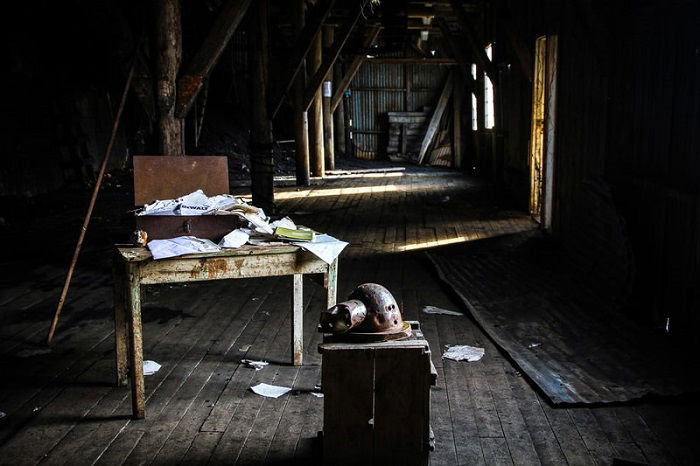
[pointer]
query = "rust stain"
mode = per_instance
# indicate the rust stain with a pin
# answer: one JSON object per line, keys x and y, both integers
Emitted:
{"x": 211, "y": 269}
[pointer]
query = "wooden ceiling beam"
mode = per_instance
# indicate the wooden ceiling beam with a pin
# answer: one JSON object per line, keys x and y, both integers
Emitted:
{"x": 342, "y": 86}
{"x": 332, "y": 55}
{"x": 301, "y": 48}
{"x": 475, "y": 42}
{"x": 191, "y": 81}
{"x": 454, "y": 49}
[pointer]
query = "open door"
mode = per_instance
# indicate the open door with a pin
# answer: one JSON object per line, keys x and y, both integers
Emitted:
{"x": 543, "y": 130}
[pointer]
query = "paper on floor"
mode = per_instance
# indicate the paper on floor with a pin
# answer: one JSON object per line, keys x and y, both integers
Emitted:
{"x": 270, "y": 391}
{"x": 257, "y": 365}
{"x": 464, "y": 353}
{"x": 325, "y": 247}
{"x": 150, "y": 367}
{"x": 439, "y": 310}
{"x": 164, "y": 248}
{"x": 2, "y": 415}
{"x": 235, "y": 239}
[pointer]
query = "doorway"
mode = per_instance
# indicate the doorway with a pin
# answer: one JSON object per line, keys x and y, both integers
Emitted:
{"x": 542, "y": 135}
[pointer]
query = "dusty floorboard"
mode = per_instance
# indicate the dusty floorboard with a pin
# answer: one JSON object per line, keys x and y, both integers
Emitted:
{"x": 61, "y": 406}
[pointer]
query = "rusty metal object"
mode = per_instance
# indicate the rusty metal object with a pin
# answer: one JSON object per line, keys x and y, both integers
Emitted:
{"x": 168, "y": 177}
{"x": 383, "y": 314}
{"x": 343, "y": 316}
{"x": 370, "y": 314}
{"x": 139, "y": 238}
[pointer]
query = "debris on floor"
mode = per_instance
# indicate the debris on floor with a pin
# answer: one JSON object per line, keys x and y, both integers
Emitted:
{"x": 464, "y": 353}
{"x": 269, "y": 391}
{"x": 439, "y": 310}
{"x": 172, "y": 247}
{"x": 150, "y": 367}
{"x": 2, "y": 414}
{"x": 257, "y": 365}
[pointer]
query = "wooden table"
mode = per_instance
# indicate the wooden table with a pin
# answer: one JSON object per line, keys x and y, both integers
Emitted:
{"x": 134, "y": 267}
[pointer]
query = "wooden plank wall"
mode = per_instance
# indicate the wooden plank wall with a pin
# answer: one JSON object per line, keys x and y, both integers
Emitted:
{"x": 627, "y": 174}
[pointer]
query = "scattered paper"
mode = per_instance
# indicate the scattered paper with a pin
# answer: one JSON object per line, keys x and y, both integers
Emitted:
{"x": 464, "y": 353}
{"x": 2, "y": 415}
{"x": 150, "y": 367}
{"x": 270, "y": 391}
{"x": 257, "y": 365}
{"x": 164, "y": 248}
{"x": 29, "y": 352}
{"x": 325, "y": 247}
{"x": 439, "y": 310}
{"x": 196, "y": 203}
{"x": 534, "y": 344}
{"x": 167, "y": 207}
{"x": 235, "y": 239}
{"x": 317, "y": 394}
{"x": 285, "y": 222}
{"x": 36, "y": 409}
{"x": 244, "y": 348}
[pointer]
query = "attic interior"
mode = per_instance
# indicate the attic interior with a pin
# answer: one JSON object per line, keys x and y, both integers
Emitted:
{"x": 522, "y": 177}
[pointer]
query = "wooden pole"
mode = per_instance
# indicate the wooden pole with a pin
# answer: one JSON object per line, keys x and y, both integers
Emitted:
{"x": 457, "y": 98}
{"x": 168, "y": 57}
{"x": 327, "y": 93}
{"x": 91, "y": 205}
{"x": 316, "y": 113}
{"x": 301, "y": 117}
{"x": 262, "y": 160}
{"x": 339, "y": 115}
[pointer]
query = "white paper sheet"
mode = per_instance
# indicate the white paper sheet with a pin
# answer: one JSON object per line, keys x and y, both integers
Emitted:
{"x": 164, "y": 248}
{"x": 285, "y": 222}
{"x": 235, "y": 239}
{"x": 167, "y": 207}
{"x": 150, "y": 367}
{"x": 464, "y": 353}
{"x": 257, "y": 365}
{"x": 270, "y": 391}
{"x": 325, "y": 247}
{"x": 439, "y": 310}
{"x": 196, "y": 203}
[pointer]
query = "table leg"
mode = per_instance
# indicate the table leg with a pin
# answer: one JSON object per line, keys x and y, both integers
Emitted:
{"x": 331, "y": 279}
{"x": 133, "y": 305}
{"x": 120, "y": 330}
{"x": 298, "y": 320}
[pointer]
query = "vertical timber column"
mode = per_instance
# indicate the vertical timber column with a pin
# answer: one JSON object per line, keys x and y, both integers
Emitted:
{"x": 262, "y": 161}
{"x": 457, "y": 99}
{"x": 168, "y": 57}
{"x": 301, "y": 117}
{"x": 327, "y": 93}
{"x": 316, "y": 112}
{"x": 339, "y": 115}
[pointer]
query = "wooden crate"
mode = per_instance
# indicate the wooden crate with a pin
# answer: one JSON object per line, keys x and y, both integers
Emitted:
{"x": 377, "y": 401}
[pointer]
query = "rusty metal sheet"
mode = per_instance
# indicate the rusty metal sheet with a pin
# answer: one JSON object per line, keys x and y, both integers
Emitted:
{"x": 168, "y": 177}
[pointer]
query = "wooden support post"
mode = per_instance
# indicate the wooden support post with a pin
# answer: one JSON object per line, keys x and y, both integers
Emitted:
{"x": 133, "y": 312}
{"x": 339, "y": 115}
{"x": 262, "y": 161}
{"x": 435, "y": 119}
{"x": 301, "y": 117}
{"x": 225, "y": 24}
{"x": 298, "y": 320}
{"x": 457, "y": 98}
{"x": 480, "y": 118}
{"x": 318, "y": 162}
{"x": 301, "y": 48}
{"x": 168, "y": 57}
{"x": 326, "y": 93}
{"x": 343, "y": 84}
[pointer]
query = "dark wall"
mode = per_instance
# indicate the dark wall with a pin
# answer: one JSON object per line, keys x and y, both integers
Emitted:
{"x": 627, "y": 165}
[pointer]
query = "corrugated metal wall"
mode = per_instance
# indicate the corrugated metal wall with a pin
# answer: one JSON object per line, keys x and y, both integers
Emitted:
{"x": 380, "y": 88}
